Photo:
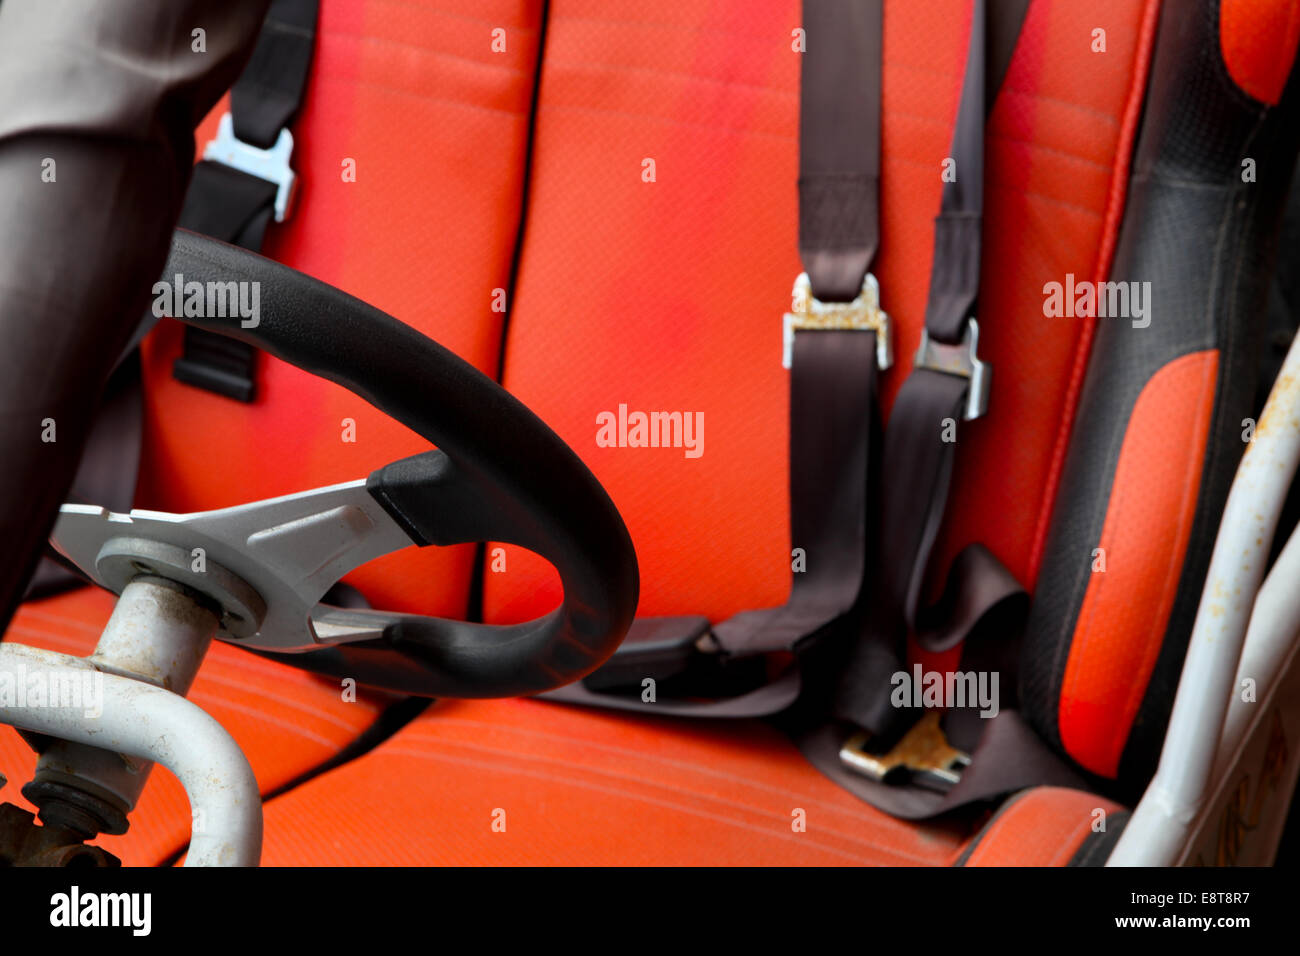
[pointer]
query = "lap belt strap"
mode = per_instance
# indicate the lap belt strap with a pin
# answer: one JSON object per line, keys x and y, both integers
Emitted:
{"x": 245, "y": 179}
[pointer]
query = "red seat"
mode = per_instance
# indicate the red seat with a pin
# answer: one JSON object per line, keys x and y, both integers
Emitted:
{"x": 666, "y": 295}
{"x": 678, "y": 313}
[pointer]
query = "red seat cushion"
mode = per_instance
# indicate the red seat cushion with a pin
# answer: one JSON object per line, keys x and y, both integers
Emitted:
{"x": 583, "y": 787}
{"x": 1045, "y": 826}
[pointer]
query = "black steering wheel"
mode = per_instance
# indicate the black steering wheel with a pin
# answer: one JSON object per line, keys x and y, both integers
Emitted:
{"x": 498, "y": 474}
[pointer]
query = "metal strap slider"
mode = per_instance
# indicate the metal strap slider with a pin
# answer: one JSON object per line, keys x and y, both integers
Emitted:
{"x": 963, "y": 360}
{"x": 863, "y": 313}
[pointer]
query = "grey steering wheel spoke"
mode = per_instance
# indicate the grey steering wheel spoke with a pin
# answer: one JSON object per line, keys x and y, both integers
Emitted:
{"x": 287, "y": 551}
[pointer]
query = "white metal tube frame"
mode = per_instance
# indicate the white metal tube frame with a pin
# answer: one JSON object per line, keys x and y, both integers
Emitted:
{"x": 141, "y": 720}
{"x": 1241, "y": 630}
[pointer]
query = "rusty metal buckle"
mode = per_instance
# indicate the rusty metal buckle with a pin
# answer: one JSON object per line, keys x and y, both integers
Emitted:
{"x": 923, "y": 755}
{"x": 863, "y": 314}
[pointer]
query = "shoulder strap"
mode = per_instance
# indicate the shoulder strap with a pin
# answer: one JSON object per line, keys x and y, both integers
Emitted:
{"x": 245, "y": 179}
{"x": 837, "y": 337}
{"x": 839, "y": 145}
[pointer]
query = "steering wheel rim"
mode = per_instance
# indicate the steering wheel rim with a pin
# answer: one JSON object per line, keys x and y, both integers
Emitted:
{"x": 499, "y": 474}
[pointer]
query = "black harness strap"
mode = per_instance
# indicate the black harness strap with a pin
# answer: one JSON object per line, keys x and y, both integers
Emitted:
{"x": 839, "y": 145}
{"x": 236, "y": 205}
{"x": 269, "y": 93}
{"x": 833, "y": 433}
{"x": 948, "y": 384}
{"x": 834, "y": 420}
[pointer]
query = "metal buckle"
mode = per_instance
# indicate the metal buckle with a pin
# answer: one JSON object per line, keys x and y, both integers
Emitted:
{"x": 923, "y": 753}
{"x": 269, "y": 164}
{"x": 960, "y": 360}
{"x": 863, "y": 313}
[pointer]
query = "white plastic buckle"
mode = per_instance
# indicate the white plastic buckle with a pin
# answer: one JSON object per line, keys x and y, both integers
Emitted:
{"x": 863, "y": 314}
{"x": 963, "y": 360}
{"x": 269, "y": 164}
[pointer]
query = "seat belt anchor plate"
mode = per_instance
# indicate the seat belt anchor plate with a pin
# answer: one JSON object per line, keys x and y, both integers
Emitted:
{"x": 923, "y": 754}
{"x": 269, "y": 164}
{"x": 862, "y": 314}
{"x": 962, "y": 359}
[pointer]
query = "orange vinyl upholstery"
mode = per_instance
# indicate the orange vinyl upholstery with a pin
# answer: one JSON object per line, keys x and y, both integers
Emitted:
{"x": 1259, "y": 39}
{"x": 1123, "y": 617}
{"x": 586, "y": 787}
{"x": 1045, "y": 826}
{"x": 575, "y": 787}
